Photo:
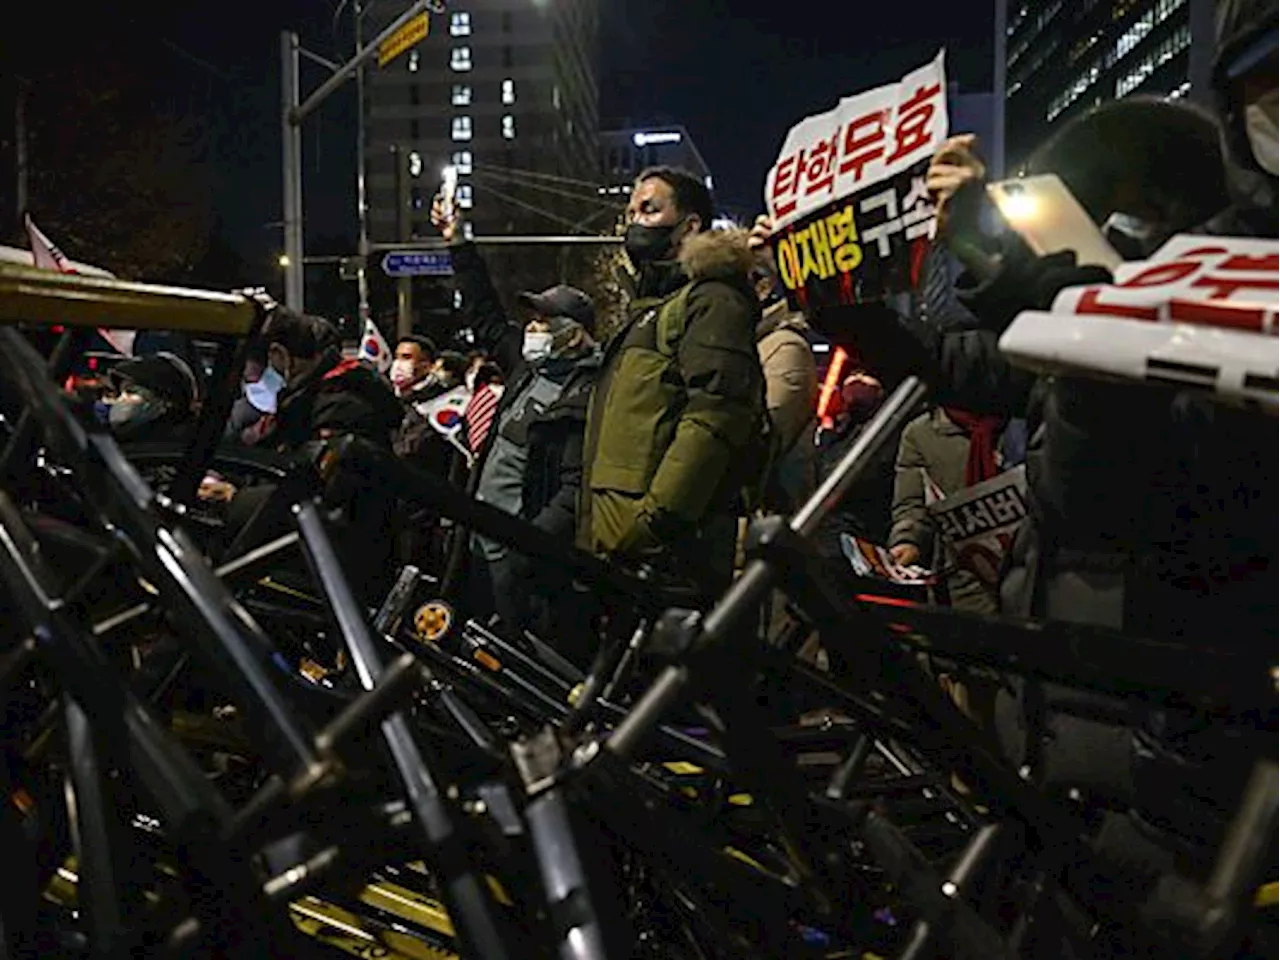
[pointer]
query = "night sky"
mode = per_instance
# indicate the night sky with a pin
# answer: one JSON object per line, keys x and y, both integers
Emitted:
{"x": 736, "y": 73}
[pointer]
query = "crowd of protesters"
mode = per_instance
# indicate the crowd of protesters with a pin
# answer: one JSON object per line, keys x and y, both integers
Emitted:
{"x": 651, "y": 448}
{"x": 1152, "y": 510}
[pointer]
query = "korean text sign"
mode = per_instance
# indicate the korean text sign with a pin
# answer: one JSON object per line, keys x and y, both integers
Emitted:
{"x": 847, "y": 195}
{"x": 979, "y": 522}
{"x": 1202, "y": 312}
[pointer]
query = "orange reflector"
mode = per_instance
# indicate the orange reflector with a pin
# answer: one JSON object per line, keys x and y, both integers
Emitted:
{"x": 829, "y": 384}
{"x": 884, "y": 601}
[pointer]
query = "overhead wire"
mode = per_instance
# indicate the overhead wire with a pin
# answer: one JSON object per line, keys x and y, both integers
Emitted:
{"x": 584, "y": 198}
{"x": 537, "y": 174}
{"x": 516, "y": 201}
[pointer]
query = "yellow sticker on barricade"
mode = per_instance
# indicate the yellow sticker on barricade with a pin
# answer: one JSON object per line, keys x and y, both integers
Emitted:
{"x": 682, "y": 768}
{"x": 1268, "y": 895}
{"x": 350, "y": 934}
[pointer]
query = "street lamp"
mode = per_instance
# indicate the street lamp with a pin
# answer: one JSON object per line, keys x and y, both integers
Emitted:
{"x": 283, "y": 261}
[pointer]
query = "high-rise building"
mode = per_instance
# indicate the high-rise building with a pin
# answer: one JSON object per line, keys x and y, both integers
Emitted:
{"x": 624, "y": 153}
{"x": 1056, "y": 59}
{"x": 499, "y": 89}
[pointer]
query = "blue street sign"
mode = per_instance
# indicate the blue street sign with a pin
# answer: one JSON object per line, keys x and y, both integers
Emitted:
{"x": 417, "y": 263}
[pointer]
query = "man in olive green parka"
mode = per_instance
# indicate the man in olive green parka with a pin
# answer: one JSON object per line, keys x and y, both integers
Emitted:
{"x": 675, "y": 429}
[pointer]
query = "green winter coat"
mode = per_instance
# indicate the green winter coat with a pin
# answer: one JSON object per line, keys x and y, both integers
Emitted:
{"x": 675, "y": 428}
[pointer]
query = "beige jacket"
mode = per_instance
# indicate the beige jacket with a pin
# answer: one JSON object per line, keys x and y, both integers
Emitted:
{"x": 790, "y": 376}
{"x": 934, "y": 445}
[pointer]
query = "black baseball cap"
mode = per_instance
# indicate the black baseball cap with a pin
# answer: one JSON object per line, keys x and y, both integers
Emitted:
{"x": 562, "y": 301}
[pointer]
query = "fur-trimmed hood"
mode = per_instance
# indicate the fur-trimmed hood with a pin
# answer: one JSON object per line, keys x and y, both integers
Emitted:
{"x": 717, "y": 255}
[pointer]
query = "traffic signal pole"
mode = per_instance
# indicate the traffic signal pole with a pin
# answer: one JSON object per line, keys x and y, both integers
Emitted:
{"x": 293, "y": 111}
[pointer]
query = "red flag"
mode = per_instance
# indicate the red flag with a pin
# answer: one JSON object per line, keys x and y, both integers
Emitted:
{"x": 479, "y": 415}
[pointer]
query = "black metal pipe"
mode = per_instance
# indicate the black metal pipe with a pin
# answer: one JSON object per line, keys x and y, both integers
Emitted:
{"x": 749, "y": 590}
{"x": 228, "y": 370}
{"x": 230, "y": 640}
{"x": 577, "y": 904}
{"x": 465, "y": 888}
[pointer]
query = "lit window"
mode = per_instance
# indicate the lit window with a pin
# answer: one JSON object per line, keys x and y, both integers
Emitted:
{"x": 508, "y": 127}
{"x": 508, "y": 91}
{"x": 413, "y": 61}
{"x": 415, "y": 164}
{"x": 460, "y": 59}
{"x": 1136, "y": 76}
{"x": 462, "y": 160}
{"x": 461, "y": 95}
{"x": 465, "y": 197}
{"x": 460, "y": 25}
{"x": 461, "y": 128}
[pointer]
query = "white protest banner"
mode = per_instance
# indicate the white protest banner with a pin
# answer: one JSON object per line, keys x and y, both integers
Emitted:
{"x": 847, "y": 194}
{"x": 1201, "y": 312}
{"x": 978, "y": 522}
{"x": 1227, "y": 282}
{"x": 869, "y": 560}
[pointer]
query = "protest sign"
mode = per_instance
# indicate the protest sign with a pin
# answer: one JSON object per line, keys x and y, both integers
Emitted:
{"x": 978, "y": 522}
{"x": 869, "y": 560}
{"x": 847, "y": 195}
{"x": 1200, "y": 313}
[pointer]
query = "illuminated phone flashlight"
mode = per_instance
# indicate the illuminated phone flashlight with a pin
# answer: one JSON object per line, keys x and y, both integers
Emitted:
{"x": 1019, "y": 206}
{"x": 448, "y": 190}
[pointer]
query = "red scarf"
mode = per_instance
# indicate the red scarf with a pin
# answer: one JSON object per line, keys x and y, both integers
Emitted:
{"x": 984, "y": 433}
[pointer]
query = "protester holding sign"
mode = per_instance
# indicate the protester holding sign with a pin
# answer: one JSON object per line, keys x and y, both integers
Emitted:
{"x": 943, "y": 456}
{"x": 850, "y": 213}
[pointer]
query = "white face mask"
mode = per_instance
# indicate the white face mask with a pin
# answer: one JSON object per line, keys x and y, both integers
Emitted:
{"x": 1264, "y": 135}
{"x": 401, "y": 372}
{"x": 262, "y": 394}
{"x": 537, "y": 346}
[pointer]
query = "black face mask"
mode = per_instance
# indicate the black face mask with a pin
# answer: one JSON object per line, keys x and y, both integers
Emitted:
{"x": 649, "y": 244}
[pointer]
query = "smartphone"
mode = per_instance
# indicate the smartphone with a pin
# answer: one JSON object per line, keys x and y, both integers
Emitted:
{"x": 449, "y": 190}
{"x": 1045, "y": 214}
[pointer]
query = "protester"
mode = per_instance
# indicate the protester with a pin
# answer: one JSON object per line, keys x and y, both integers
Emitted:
{"x": 305, "y": 350}
{"x": 1245, "y": 93}
{"x": 414, "y": 357}
{"x": 253, "y": 412}
{"x": 324, "y": 396}
{"x": 529, "y": 460}
{"x": 416, "y": 439}
{"x": 950, "y": 450}
{"x": 676, "y": 424}
{"x": 152, "y": 400}
{"x": 864, "y": 510}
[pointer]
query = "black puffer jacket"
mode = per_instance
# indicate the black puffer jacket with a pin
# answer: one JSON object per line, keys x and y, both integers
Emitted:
{"x": 368, "y": 407}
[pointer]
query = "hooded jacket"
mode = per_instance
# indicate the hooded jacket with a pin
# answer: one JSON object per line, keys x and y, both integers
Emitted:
{"x": 1244, "y": 27}
{"x": 672, "y": 433}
